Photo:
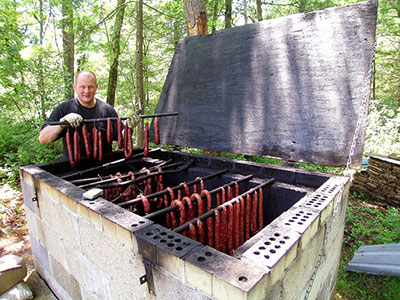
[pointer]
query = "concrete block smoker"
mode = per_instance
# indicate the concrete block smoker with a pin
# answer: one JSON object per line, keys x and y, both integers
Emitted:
{"x": 294, "y": 87}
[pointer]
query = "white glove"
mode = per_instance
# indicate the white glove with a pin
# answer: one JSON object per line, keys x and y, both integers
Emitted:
{"x": 133, "y": 121}
{"x": 73, "y": 119}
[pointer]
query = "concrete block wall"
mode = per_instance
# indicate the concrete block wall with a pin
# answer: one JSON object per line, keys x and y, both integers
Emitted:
{"x": 96, "y": 250}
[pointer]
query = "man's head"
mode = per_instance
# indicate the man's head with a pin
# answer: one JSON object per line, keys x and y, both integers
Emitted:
{"x": 85, "y": 87}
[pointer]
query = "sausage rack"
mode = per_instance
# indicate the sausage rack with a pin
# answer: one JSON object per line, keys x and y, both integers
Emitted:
{"x": 181, "y": 225}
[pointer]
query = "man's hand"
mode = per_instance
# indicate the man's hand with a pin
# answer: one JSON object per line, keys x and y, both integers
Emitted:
{"x": 73, "y": 119}
{"x": 133, "y": 121}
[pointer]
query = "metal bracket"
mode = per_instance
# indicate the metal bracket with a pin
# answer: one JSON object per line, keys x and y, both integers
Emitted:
{"x": 148, "y": 277}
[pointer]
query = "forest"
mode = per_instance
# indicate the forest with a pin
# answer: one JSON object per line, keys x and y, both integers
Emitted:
{"x": 129, "y": 45}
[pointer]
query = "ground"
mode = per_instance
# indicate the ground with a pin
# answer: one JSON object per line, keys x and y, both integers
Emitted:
{"x": 14, "y": 238}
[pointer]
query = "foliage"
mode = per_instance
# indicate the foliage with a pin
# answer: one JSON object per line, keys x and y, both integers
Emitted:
{"x": 19, "y": 146}
{"x": 367, "y": 224}
{"x": 383, "y": 130}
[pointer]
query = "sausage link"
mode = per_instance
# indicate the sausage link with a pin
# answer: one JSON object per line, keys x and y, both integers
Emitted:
{"x": 236, "y": 189}
{"x": 200, "y": 204}
{"x": 86, "y": 141}
{"x": 200, "y": 229}
{"x": 182, "y": 211}
{"x": 248, "y": 217}
{"x": 210, "y": 226}
{"x": 201, "y": 183}
{"x": 156, "y": 132}
{"x": 68, "y": 141}
{"x": 100, "y": 142}
{"x": 129, "y": 142}
{"x": 174, "y": 222}
{"x": 146, "y": 204}
{"x": 217, "y": 230}
{"x": 236, "y": 225}
{"x": 242, "y": 213}
{"x": 77, "y": 146}
{"x": 224, "y": 229}
{"x": 191, "y": 212}
{"x": 253, "y": 225}
{"x": 230, "y": 228}
{"x": 146, "y": 140}
{"x": 167, "y": 201}
{"x": 218, "y": 199}
{"x": 230, "y": 193}
{"x": 260, "y": 209}
{"x": 95, "y": 143}
{"x": 119, "y": 132}
{"x": 109, "y": 131}
{"x": 192, "y": 232}
{"x": 223, "y": 195}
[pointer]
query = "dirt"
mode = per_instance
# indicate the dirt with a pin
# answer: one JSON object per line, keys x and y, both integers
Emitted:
{"x": 14, "y": 238}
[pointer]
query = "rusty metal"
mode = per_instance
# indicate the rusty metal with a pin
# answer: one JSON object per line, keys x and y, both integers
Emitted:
{"x": 115, "y": 118}
{"x": 175, "y": 188}
{"x": 106, "y": 165}
{"x": 129, "y": 182}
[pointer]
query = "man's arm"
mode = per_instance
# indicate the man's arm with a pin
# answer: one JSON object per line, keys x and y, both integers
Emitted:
{"x": 50, "y": 133}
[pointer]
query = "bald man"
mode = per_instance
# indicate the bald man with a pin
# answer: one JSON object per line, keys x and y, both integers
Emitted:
{"x": 84, "y": 106}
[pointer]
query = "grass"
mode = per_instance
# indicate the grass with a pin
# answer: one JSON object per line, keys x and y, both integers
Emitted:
{"x": 367, "y": 224}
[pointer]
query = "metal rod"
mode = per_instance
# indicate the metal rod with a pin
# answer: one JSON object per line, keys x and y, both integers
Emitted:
{"x": 216, "y": 190}
{"x": 115, "y": 118}
{"x": 106, "y": 165}
{"x": 175, "y": 188}
{"x": 212, "y": 211}
{"x": 129, "y": 182}
{"x": 83, "y": 181}
{"x": 84, "y": 186}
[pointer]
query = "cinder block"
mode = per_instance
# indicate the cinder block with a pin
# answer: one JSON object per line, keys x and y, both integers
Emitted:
{"x": 199, "y": 278}
{"x": 110, "y": 228}
{"x": 65, "y": 279}
{"x": 68, "y": 202}
{"x": 50, "y": 191}
{"x": 40, "y": 255}
{"x": 222, "y": 290}
{"x": 259, "y": 291}
{"x": 94, "y": 282}
{"x": 124, "y": 236}
{"x": 53, "y": 243}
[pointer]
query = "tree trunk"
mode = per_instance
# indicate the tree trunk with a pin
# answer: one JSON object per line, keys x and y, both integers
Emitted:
{"x": 196, "y": 16}
{"x": 245, "y": 11}
{"x": 67, "y": 24}
{"x": 40, "y": 62}
{"x": 139, "y": 69}
{"x": 115, "y": 51}
{"x": 215, "y": 16}
{"x": 228, "y": 13}
{"x": 259, "y": 11}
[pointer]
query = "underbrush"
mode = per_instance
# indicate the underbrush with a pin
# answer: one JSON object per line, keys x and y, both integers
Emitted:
{"x": 19, "y": 146}
{"x": 367, "y": 224}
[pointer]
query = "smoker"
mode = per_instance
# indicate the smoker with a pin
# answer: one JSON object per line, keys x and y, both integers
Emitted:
{"x": 174, "y": 224}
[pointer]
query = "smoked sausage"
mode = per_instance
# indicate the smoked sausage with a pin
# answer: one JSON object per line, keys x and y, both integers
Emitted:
{"x": 70, "y": 148}
{"x": 156, "y": 132}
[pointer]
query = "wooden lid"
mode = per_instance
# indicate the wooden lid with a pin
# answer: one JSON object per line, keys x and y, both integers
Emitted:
{"x": 290, "y": 87}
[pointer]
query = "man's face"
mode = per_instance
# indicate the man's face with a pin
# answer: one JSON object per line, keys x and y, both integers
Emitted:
{"x": 86, "y": 87}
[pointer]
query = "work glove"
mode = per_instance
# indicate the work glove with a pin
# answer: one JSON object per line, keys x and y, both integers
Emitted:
{"x": 73, "y": 119}
{"x": 133, "y": 121}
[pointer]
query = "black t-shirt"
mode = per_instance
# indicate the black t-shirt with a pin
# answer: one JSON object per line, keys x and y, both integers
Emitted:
{"x": 100, "y": 110}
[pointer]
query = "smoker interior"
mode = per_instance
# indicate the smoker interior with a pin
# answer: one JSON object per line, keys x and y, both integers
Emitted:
{"x": 288, "y": 187}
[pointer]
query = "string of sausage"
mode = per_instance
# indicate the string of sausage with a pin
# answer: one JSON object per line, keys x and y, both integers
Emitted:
{"x": 77, "y": 146}
{"x": 87, "y": 141}
{"x": 109, "y": 131}
{"x": 260, "y": 209}
{"x": 119, "y": 134}
{"x": 210, "y": 229}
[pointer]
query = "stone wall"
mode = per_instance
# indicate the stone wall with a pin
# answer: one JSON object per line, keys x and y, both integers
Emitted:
{"x": 380, "y": 181}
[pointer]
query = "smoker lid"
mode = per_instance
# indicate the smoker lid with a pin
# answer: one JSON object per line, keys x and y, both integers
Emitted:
{"x": 290, "y": 87}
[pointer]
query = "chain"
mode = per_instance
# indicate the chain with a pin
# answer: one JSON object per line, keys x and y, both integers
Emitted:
{"x": 363, "y": 112}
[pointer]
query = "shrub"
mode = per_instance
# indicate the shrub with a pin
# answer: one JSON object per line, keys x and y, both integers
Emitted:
{"x": 19, "y": 145}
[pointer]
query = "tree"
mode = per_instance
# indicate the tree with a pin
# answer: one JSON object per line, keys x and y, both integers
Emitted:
{"x": 67, "y": 24}
{"x": 228, "y": 13}
{"x": 259, "y": 10}
{"x": 196, "y": 16}
{"x": 115, "y": 52}
{"x": 139, "y": 68}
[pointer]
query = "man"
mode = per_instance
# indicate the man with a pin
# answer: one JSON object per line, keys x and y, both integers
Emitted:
{"x": 84, "y": 106}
